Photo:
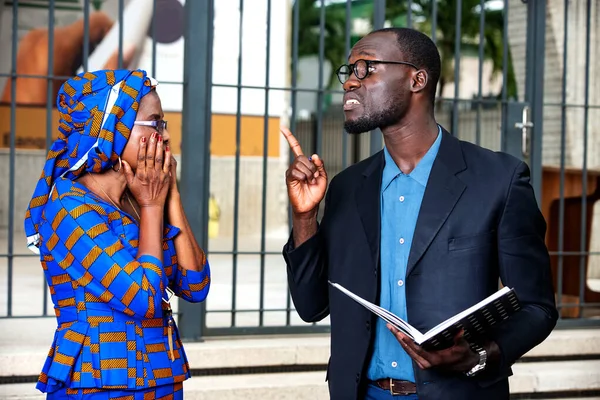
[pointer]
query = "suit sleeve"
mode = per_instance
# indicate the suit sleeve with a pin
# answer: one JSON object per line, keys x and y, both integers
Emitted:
{"x": 91, "y": 254}
{"x": 525, "y": 266}
{"x": 308, "y": 273}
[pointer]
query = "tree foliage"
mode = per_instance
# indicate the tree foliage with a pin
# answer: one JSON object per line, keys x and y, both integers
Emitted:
{"x": 421, "y": 16}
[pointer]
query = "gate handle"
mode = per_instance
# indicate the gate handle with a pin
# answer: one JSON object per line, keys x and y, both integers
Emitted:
{"x": 524, "y": 126}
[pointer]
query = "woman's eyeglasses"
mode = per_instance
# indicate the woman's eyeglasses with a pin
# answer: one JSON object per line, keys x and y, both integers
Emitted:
{"x": 160, "y": 124}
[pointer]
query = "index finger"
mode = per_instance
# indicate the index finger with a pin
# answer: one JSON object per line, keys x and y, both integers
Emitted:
{"x": 293, "y": 142}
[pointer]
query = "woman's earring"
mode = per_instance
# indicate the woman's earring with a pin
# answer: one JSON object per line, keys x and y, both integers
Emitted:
{"x": 120, "y": 165}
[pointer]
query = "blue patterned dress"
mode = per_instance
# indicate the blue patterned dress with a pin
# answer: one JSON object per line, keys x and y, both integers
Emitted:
{"x": 112, "y": 335}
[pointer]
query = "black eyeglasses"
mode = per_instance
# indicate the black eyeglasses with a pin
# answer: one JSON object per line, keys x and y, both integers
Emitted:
{"x": 362, "y": 68}
{"x": 160, "y": 124}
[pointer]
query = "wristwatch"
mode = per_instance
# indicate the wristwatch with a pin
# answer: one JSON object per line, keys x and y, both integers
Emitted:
{"x": 480, "y": 366}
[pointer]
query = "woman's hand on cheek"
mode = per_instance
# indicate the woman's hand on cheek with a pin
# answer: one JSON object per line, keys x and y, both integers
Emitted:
{"x": 150, "y": 183}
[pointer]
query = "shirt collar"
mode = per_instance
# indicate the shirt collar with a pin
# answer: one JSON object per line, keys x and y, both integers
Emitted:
{"x": 421, "y": 171}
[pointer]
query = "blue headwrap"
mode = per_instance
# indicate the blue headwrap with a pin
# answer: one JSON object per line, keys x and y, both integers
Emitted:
{"x": 97, "y": 112}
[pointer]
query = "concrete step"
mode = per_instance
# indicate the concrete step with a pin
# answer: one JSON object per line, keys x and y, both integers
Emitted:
{"x": 538, "y": 377}
{"x": 555, "y": 376}
{"x": 239, "y": 352}
{"x": 222, "y": 353}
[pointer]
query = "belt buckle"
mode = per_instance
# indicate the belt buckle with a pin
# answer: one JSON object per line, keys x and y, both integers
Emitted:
{"x": 399, "y": 393}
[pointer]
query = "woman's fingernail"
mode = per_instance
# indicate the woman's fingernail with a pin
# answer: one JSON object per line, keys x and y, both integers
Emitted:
{"x": 144, "y": 139}
{"x": 167, "y": 148}
{"x": 160, "y": 139}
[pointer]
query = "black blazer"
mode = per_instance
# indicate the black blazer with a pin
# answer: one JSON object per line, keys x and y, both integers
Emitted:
{"x": 478, "y": 222}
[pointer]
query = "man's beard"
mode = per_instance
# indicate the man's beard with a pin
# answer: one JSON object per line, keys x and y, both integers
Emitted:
{"x": 381, "y": 119}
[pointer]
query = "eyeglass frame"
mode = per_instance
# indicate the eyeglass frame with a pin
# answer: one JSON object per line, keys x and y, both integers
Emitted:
{"x": 159, "y": 124}
{"x": 368, "y": 63}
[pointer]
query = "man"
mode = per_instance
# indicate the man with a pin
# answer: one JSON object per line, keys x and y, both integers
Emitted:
{"x": 425, "y": 228}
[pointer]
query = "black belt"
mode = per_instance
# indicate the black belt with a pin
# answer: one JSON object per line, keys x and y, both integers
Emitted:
{"x": 397, "y": 387}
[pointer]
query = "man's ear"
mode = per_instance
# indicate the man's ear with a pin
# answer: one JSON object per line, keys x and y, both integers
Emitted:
{"x": 419, "y": 81}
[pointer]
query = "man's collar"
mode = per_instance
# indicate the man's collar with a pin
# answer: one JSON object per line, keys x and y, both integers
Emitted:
{"x": 421, "y": 171}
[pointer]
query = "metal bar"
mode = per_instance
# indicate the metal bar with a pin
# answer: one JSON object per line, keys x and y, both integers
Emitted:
{"x": 577, "y": 323}
{"x": 447, "y": 99}
{"x": 434, "y": 16}
{"x": 318, "y": 145}
{"x": 294, "y": 83}
{"x": 246, "y": 310}
{"x": 586, "y": 305}
{"x": 409, "y": 23}
{"x": 378, "y": 14}
{"x": 505, "y": 132}
{"x": 121, "y": 6}
{"x": 11, "y": 159}
{"x": 457, "y": 40}
{"x": 263, "y": 230}
{"x": 535, "y": 90}
{"x": 292, "y": 89}
{"x": 583, "y": 240}
{"x": 255, "y": 310}
{"x": 574, "y": 253}
{"x": 295, "y": 40}
{"x": 154, "y": 22}
{"x": 273, "y": 88}
{"x": 50, "y": 81}
{"x": 268, "y": 330}
{"x": 563, "y": 144}
{"x": 347, "y": 52}
{"x": 4, "y": 74}
{"x": 278, "y": 253}
{"x": 86, "y": 34}
{"x": 236, "y": 190}
{"x": 505, "y": 55}
{"x": 275, "y": 253}
{"x": 49, "y": 101}
{"x": 9, "y": 75}
{"x": 571, "y": 105}
{"x": 480, "y": 74}
{"x": 195, "y": 139}
{"x": 452, "y": 99}
{"x": 376, "y": 137}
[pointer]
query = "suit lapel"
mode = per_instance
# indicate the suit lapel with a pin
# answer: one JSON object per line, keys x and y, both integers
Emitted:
{"x": 368, "y": 204}
{"x": 441, "y": 194}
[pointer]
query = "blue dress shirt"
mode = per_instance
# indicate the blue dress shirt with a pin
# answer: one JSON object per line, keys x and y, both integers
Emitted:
{"x": 401, "y": 197}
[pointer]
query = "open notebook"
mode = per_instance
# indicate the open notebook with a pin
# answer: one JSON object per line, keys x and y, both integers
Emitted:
{"x": 476, "y": 320}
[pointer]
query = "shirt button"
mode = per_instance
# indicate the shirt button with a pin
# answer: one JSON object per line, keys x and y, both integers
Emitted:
{"x": 400, "y": 282}
{"x": 401, "y": 240}
{"x": 401, "y": 198}
{"x": 394, "y": 364}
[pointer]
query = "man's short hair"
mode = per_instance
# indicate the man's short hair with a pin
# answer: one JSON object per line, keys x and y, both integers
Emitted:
{"x": 420, "y": 50}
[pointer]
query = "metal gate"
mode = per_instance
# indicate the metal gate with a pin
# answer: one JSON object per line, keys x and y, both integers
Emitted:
{"x": 518, "y": 76}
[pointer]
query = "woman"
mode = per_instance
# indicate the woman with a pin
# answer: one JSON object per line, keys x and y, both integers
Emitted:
{"x": 107, "y": 220}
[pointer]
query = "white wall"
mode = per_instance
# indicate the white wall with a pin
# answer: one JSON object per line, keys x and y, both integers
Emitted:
{"x": 226, "y": 51}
